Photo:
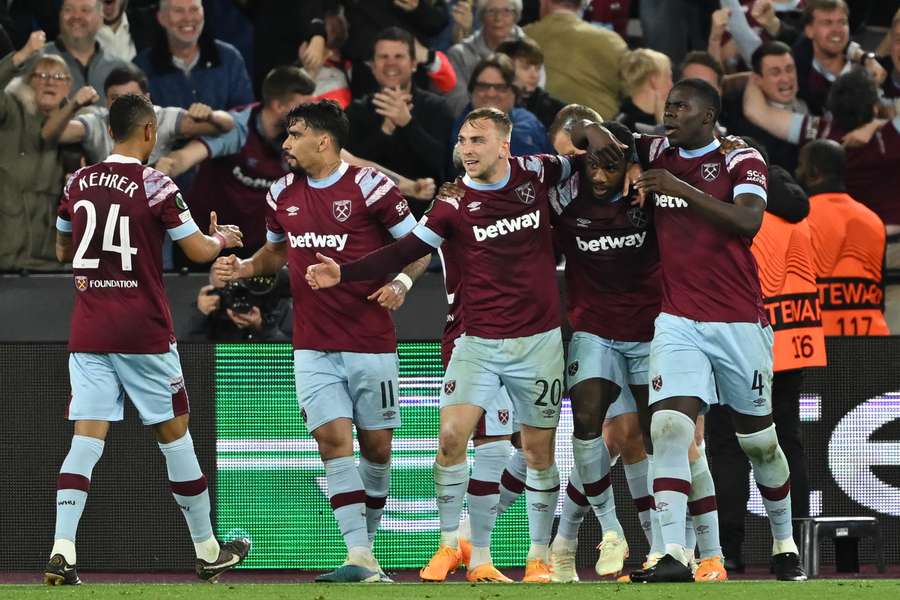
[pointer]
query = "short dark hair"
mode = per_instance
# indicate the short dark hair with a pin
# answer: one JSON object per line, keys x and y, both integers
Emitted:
{"x": 771, "y": 48}
{"x": 708, "y": 93}
{"x": 699, "y": 57}
{"x": 525, "y": 48}
{"x": 501, "y": 62}
{"x": 824, "y": 5}
{"x": 128, "y": 113}
{"x": 126, "y": 74}
{"x": 826, "y": 159}
{"x": 495, "y": 115}
{"x": 852, "y": 99}
{"x": 396, "y": 34}
{"x": 285, "y": 80}
{"x": 325, "y": 116}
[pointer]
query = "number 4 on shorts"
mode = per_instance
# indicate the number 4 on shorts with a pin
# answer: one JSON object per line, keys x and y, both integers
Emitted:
{"x": 758, "y": 384}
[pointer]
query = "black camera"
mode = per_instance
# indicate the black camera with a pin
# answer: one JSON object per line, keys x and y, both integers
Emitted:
{"x": 242, "y": 295}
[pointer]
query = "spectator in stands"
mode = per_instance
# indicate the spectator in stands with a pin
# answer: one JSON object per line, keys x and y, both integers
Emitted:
{"x": 498, "y": 24}
{"x": 89, "y": 64}
{"x": 775, "y": 74}
{"x": 873, "y": 156}
{"x": 646, "y": 79}
{"x": 826, "y": 24}
{"x": 401, "y": 126}
{"x": 891, "y": 62}
{"x": 848, "y": 244}
{"x": 529, "y": 60}
{"x": 559, "y": 135}
{"x": 126, "y": 30}
{"x": 31, "y": 170}
{"x": 492, "y": 85}
{"x": 702, "y": 65}
{"x": 582, "y": 61}
{"x": 285, "y": 31}
{"x": 740, "y": 26}
{"x": 187, "y": 65}
{"x": 91, "y": 130}
{"x": 246, "y": 161}
{"x": 422, "y": 18}
{"x": 332, "y": 79}
{"x": 258, "y": 309}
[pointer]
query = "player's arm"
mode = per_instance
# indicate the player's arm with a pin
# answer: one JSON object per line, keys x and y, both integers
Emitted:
{"x": 377, "y": 264}
{"x": 597, "y": 141}
{"x": 200, "y": 119}
{"x": 201, "y": 248}
{"x": 420, "y": 189}
{"x": 743, "y": 217}
{"x": 64, "y": 250}
{"x": 392, "y": 294}
{"x": 267, "y": 260}
{"x": 178, "y": 161}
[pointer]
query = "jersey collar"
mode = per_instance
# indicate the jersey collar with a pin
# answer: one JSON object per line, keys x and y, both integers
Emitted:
{"x": 699, "y": 151}
{"x": 330, "y": 180}
{"x": 486, "y": 187}
{"x": 121, "y": 158}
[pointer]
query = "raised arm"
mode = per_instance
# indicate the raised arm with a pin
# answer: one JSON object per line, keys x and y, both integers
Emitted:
{"x": 177, "y": 162}
{"x": 776, "y": 121}
{"x": 60, "y": 127}
{"x": 203, "y": 120}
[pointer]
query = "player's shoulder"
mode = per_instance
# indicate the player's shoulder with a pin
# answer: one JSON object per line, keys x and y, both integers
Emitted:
{"x": 371, "y": 183}
{"x": 71, "y": 178}
{"x": 652, "y": 145}
{"x": 737, "y": 156}
{"x": 277, "y": 189}
{"x": 157, "y": 185}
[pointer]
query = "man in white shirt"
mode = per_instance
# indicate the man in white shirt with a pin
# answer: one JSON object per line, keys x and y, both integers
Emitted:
{"x": 115, "y": 34}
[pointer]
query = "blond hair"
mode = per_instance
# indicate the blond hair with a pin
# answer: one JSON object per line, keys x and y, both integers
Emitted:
{"x": 638, "y": 66}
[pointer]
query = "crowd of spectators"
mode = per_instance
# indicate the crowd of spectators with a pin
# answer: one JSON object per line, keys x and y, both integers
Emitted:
{"x": 224, "y": 73}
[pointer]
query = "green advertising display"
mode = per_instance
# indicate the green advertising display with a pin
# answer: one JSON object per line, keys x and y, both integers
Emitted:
{"x": 271, "y": 483}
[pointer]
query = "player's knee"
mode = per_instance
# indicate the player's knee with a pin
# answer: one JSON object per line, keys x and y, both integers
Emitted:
{"x": 668, "y": 426}
{"x": 586, "y": 425}
{"x": 761, "y": 447}
{"x": 451, "y": 442}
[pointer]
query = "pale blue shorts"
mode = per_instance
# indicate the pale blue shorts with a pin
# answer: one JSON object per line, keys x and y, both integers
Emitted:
{"x": 623, "y": 363}
{"x": 530, "y": 368}
{"x": 153, "y": 382}
{"x": 351, "y": 385}
{"x": 720, "y": 363}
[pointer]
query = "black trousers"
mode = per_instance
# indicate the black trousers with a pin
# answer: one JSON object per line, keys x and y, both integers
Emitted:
{"x": 731, "y": 469}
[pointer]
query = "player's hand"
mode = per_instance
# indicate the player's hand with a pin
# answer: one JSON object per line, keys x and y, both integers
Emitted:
{"x": 730, "y": 143}
{"x": 228, "y": 268}
{"x": 419, "y": 189}
{"x": 862, "y": 135}
{"x": 390, "y": 296}
{"x": 252, "y": 319}
{"x": 602, "y": 146}
{"x": 632, "y": 174}
{"x": 207, "y": 300}
{"x": 451, "y": 189}
{"x": 660, "y": 181}
{"x": 231, "y": 233}
{"x": 200, "y": 112}
{"x": 394, "y": 105}
{"x": 326, "y": 274}
{"x": 312, "y": 55}
{"x": 407, "y": 5}
{"x": 85, "y": 96}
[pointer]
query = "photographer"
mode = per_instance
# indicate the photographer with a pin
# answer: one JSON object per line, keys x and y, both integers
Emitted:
{"x": 255, "y": 309}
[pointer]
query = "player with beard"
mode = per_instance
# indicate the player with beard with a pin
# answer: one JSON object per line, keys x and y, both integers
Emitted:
{"x": 345, "y": 358}
{"x": 712, "y": 341}
{"x": 500, "y": 233}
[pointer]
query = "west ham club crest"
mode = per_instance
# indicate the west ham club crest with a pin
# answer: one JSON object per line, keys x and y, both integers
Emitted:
{"x": 341, "y": 210}
{"x": 709, "y": 171}
{"x": 525, "y": 193}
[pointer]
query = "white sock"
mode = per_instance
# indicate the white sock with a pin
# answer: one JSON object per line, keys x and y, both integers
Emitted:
{"x": 207, "y": 550}
{"x": 66, "y": 548}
